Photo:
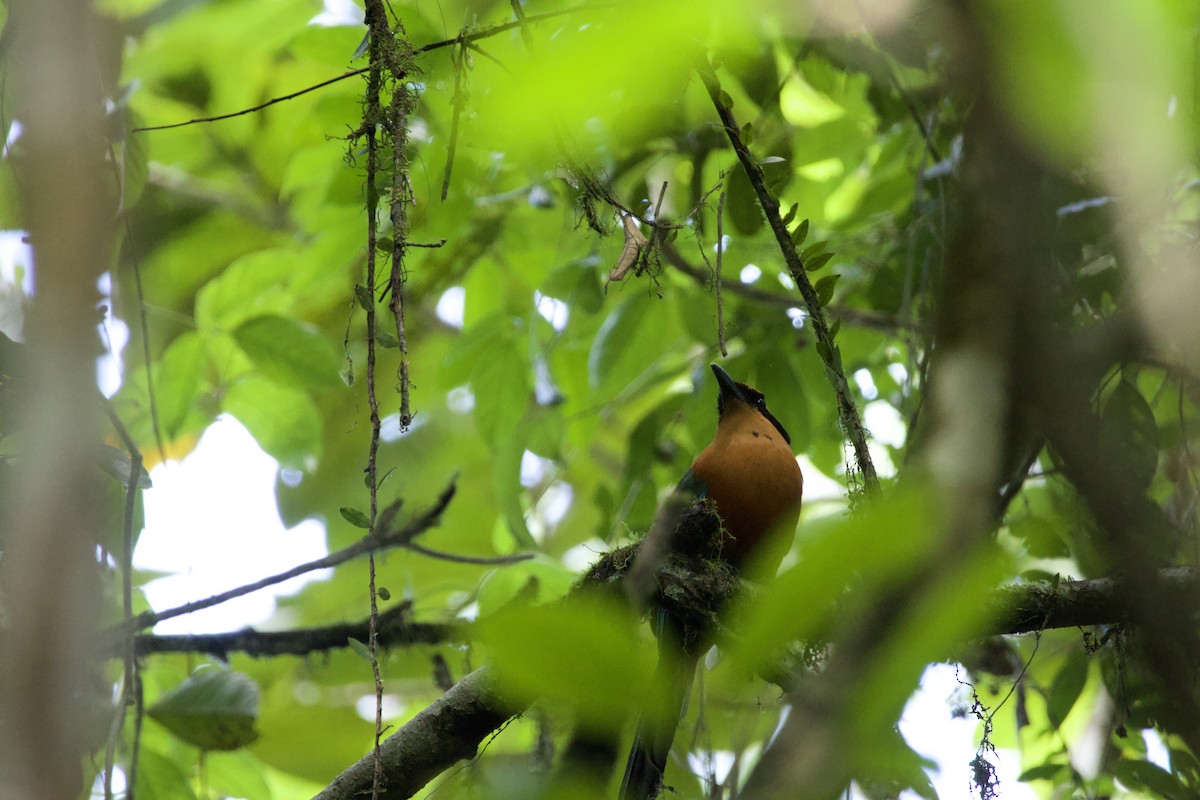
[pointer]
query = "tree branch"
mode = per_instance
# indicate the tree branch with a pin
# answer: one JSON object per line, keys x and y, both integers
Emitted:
{"x": 448, "y": 731}
{"x": 368, "y": 544}
{"x": 847, "y": 410}
{"x": 859, "y": 317}
{"x": 452, "y": 728}
{"x": 395, "y": 630}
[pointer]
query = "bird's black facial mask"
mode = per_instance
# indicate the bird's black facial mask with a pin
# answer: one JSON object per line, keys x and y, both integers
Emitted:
{"x": 755, "y": 399}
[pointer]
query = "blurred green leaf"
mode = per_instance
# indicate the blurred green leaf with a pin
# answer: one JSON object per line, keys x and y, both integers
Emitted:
{"x": 582, "y": 654}
{"x": 360, "y": 649}
{"x": 161, "y": 776}
{"x": 1128, "y": 427}
{"x": 742, "y": 202}
{"x": 177, "y": 380}
{"x": 289, "y": 351}
{"x": 1067, "y": 686}
{"x": 1151, "y": 777}
{"x": 214, "y": 709}
{"x": 1042, "y": 772}
{"x": 1042, "y": 537}
{"x": 284, "y": 420}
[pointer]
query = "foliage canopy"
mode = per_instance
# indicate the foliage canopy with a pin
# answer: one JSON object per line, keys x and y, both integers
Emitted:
{"x": 989, "y": 209}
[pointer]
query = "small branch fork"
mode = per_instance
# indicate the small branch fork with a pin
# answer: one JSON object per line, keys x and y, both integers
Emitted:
{"x": 847, "y": 410}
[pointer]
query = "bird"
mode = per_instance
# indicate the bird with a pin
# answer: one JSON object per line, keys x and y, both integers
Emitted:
{"x": 750, "y": 475}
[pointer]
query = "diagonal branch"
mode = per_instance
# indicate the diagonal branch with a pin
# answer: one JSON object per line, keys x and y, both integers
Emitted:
{"x": 858, "y": 317}
{"x": 847, "y": 410}
{"x": 368, "y": 544}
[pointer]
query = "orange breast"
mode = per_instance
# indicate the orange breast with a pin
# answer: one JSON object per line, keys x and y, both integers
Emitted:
{"x": 751, "y": 474}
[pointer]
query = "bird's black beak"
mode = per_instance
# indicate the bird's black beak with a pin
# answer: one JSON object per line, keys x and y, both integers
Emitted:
{"x": 729, "y": 387}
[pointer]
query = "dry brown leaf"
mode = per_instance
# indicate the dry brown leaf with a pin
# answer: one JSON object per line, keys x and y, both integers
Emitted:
{"x": 634, "y": 242}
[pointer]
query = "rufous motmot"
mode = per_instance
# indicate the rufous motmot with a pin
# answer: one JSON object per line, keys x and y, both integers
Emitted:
{"x": 750, "y": 475}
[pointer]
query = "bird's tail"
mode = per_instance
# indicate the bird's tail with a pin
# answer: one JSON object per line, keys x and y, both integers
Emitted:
{"x": 656, "y": 729}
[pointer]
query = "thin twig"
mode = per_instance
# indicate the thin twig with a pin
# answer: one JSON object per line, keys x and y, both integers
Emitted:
{"x": 253, "y": 109}
{"x": 368, "y": 544}
{"x": 461, "y": 559}
{"x": 717, "y": 284}
{"x": 462, "y": 38}
{"x": 859, "y": 317}
{"x": 401, "y": 105}
{"x": 132, "y": 484}
{"x": 379, "y": 34}
{"x": 452, "y": 147}
{"x": 655, "y": 232}
{"x": 526, "y": 34}
{"x": 847, "y": 410}
{"x": 139, "y": 288}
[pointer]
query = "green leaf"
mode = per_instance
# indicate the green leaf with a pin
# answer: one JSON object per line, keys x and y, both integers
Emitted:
{"x": 542, "y": 578}
{"x": 1127, "y": 426}
{"x": 1042, "y": 772}
{"x": 1067, "y": 686}
{"x": 801, "y": 601}
{"x": 254, "y": 284}
{"x": 1042, "y": 538}
{"x": 816, "y": 262}
{"x": 1147, "y": 775}
{"x": 116, "y": 462}
{"x": 747, "y": 133}
{"x": 617, "y": 353}
{"x": 801, "y": 232}
{"x": 159, "y": 776}
{"x": 791, "y": 215}
{"x": 177, "y": 380}
{"x": 584, "y": 654}
{"x": 813, "y": 250}
{"x": 355, "y": 517}
{"x": 383, "y": 593}
{"x": 500, "y": 379}
{"x": 235, "y": 774}
{"x": 214, "y": 709}
{"x": 364, "y": 297}
{"x": 824, "y": 288}
{"x": 742, "y": 202}
{"x": 284, "y": 420}
{"x": 290, "y": 352}
{"x": 506, "y": 484}
{"x": 359, "y": 648}
{"x": 725, "y": 99}
{"x": 387, "y": 340}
